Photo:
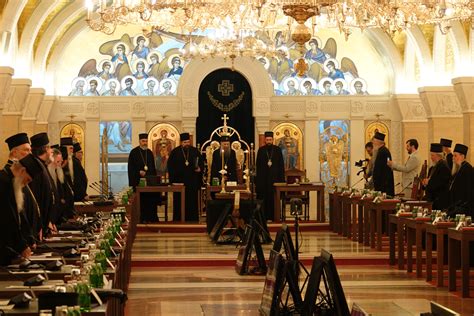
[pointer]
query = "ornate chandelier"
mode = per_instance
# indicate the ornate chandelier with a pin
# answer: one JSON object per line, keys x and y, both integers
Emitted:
{"x": 270, "y": 15}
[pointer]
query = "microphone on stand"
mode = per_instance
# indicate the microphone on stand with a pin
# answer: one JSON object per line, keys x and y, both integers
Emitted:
{"x": 403, "y": 189}
{"x": 360, "y": 180}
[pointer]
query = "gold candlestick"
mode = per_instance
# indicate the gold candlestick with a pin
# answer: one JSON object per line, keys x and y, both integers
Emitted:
{"x": 247, "y": 171}
{"x": 223, "y": 172}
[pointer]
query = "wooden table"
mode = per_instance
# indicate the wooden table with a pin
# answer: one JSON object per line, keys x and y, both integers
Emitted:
{"x": 376, "y": 210}
{"x": 350, "y": 216}
{"x": 228, "y": 188}
{"x": 179, "y": 188}
{"x": 346, "y": 214}
{"x": 414, "y": 236}
{"x": 318, "y": 187}
{"x": 366, "y": 204}
{"x": 439, "y": 232}
{"x": 395, "y": 226}
{"x": 335, "y": 212}
{"x": 459, "y": 240}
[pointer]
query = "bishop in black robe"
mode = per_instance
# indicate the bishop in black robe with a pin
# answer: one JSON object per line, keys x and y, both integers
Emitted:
{"x": 270, "y": 169}
{"x": 446, "y": 144}
{"x": 462, "y": 185}
{"x": 141, "y": 163}
{"x": 80, "y": 177}
{"x": 185, "y": 166}
{"x": 382, "y": 174}
{"x": 230, "y": 163}
{"x": 437, "y": 185}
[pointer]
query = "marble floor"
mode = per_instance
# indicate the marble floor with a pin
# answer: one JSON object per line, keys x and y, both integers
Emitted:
{"x": 186, "y": 274}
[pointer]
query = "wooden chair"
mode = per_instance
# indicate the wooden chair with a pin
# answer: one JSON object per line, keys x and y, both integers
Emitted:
{"x": 295, "y": 176}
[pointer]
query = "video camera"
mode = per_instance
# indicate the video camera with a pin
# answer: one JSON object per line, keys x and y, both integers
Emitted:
{"x": 362, "y": 164}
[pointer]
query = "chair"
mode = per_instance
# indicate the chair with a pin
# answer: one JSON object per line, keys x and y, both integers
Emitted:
{"x": 293, "y": 176}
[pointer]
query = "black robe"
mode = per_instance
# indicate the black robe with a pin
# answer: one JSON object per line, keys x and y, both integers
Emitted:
{"x": 12, "y": 241}
{"x": 230, "y": 160}
{"x": 437, "y": 189}
{"x": 382, "y": 173}
{"x": 65, "y": 206}
{"x": 180, "y": 173}
{"x": 137, "y": 160}
{"x": 31, "y": 215}
{"x": 45, "y": 194}
{"x": 461, "y": 191}
{"x": 80, "y": 180}
{"x": 266, "y": 176}
{"x": 449, "y": 161}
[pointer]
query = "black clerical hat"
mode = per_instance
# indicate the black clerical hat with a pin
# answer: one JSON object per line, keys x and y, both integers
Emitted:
{"x": 436, "y": 148}
{"x": 64, "y": 152}
{"x": 460, "y": 148}
{"x": 379, "y": 136}
{"x": 32, "y": 165}
{"x": 143, "y": 136}
{"x": 445, "y": 142}
{"x": 225, "y": 138}
{"x": 65, "y": 141}
{"x": 268, "y": 134}
{"x": 17, "y": 140}
{"x": 77, "y": 147}
{"x": 55, "y": 146}
{"x": 184, "y": 136}
{"x": 39, "y": 140}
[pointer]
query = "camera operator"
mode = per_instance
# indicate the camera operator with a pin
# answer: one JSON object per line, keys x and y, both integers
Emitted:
{"x": 369, "y": 168}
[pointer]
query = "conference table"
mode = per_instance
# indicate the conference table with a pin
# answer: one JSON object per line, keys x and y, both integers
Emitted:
{"x": 172, "y": 188}
{"x": 299, "y": 187}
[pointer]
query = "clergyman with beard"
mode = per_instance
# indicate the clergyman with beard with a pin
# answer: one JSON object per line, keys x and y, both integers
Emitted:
{"x": 230, "y": 161}
{"x": 185, "y": 166}
{"x": 141, "y": 164}
{"x": 42, "y": 186}
{"x": 65, "y": 205}
{"x": 12, "y": 182}
{"x": 270, "y": 170}
{"x": 19, "y": 146}
{"x": 461, "y": 189}
{"x": 382, "y": 173}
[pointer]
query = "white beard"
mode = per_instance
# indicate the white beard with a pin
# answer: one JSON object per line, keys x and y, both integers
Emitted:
{"x": 52, "y": 173}
{"x": 19, "y": 196}
{"x": 455, "y": 169}
{"x": 70, "y": 166}
{"x": 60, "y": 174}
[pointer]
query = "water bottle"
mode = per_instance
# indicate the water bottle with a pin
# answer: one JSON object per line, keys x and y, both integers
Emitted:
{"x": 84, "y": 298}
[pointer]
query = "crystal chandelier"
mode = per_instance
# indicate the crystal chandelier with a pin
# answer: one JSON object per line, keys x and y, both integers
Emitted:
{"x": 270, "y": 15}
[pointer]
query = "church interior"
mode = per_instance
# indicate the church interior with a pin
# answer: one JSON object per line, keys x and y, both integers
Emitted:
{"x": 320, "y": 79}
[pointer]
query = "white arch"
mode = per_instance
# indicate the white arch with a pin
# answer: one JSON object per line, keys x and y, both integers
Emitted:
{"x": 460, "y": 45}
{"x": 389, "y": 55}
{"x": 57, "y": 54}
{"x": 8, "y": 30}
{"x": 54, "y": 29}
{"x": 251, "y": 69}
{"x": 11, "y": 14}
{"x": 32, "y": 27}
{"x": 422, "y": 51}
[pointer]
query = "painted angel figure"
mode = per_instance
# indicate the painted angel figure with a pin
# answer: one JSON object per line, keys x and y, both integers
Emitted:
{"x": 209, "y": 152}
{"x": 334, "y": 150}
{"x": 239, "y": 153}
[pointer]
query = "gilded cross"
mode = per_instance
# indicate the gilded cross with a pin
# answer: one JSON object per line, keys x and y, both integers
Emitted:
{"x": 225, "y": 88}
{"x": 225, "y": 118}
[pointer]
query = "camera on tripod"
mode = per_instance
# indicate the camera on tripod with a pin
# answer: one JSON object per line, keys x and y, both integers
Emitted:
{"x": 296, "y": 207}
{"x": 361, "y": 164}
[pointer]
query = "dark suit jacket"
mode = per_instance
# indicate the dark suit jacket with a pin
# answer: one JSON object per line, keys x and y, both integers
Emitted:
{"x": 461, "y": 191}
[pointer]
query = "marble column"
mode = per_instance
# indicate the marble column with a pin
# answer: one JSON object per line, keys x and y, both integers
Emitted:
{"x": 12, "y": 110}
{"x": 443, "y": 112}
{"x": 464, "y": 89}
{"x": 30, "y": 112}
{"x": 311, "y": 158}
{"x": 6, "y": 74}
{"x": 43, "y": 114}
{"x": 357, "y": 150}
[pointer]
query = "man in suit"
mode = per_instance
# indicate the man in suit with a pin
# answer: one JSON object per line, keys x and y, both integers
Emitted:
{"x": 437, "y": 183}
{"x": 461, "y": 187}
{"x": 411, "y": 167}
{"x": 382, "y": 173}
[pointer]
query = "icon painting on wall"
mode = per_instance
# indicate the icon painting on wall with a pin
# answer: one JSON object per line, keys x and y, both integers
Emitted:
{"x": 289, "y": 138}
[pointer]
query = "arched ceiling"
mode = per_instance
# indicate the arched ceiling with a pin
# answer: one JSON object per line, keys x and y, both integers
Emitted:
{"x": 39, "y": 26}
